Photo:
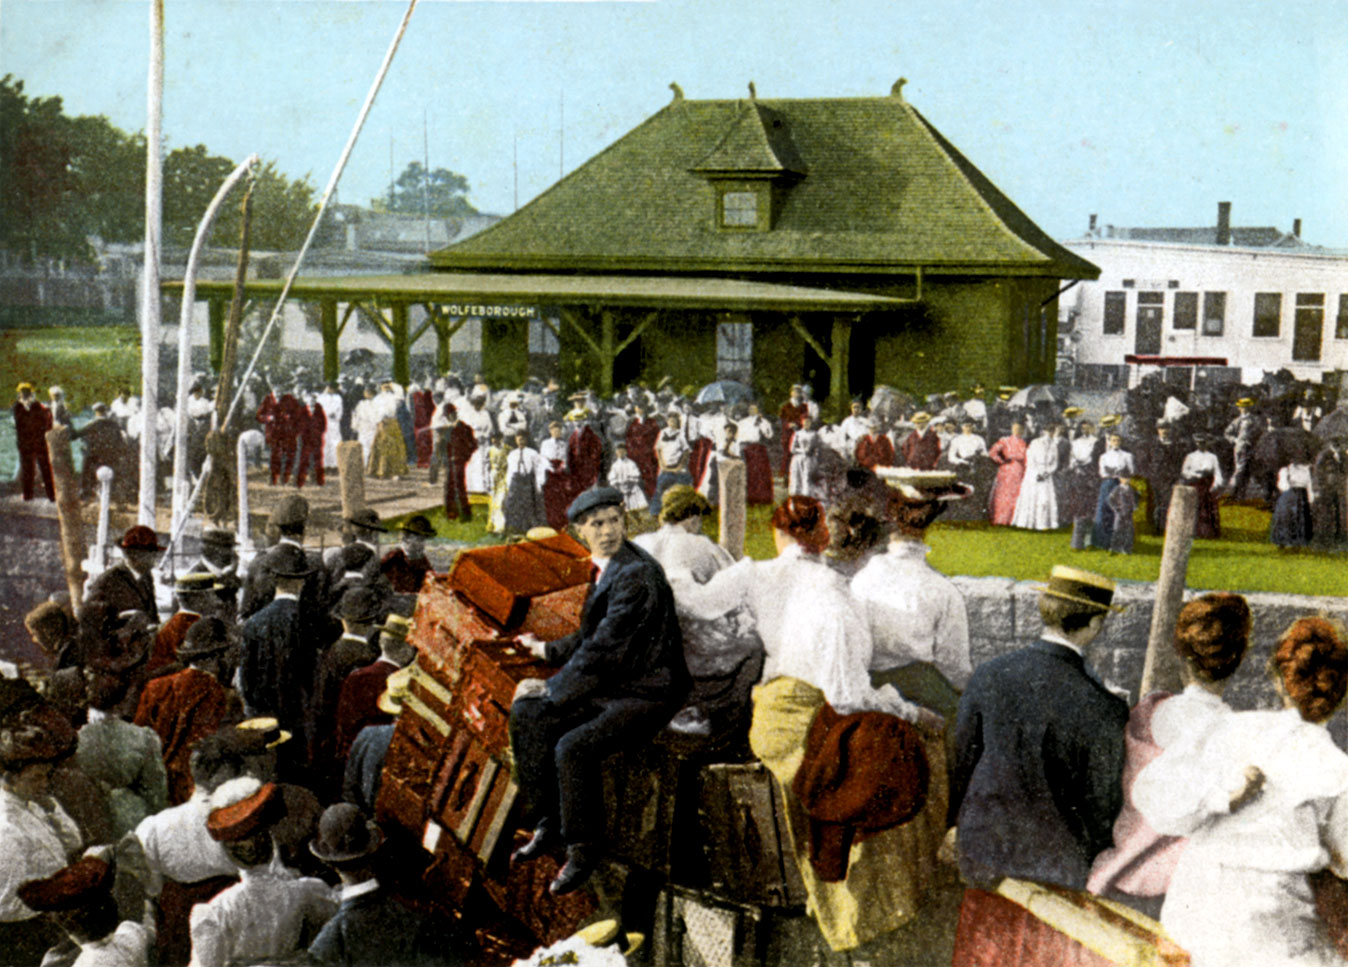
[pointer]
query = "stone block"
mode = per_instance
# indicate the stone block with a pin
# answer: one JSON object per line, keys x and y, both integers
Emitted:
{"x": 988, "y": 603}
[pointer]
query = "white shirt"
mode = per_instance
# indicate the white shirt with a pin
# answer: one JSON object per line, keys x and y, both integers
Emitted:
{"x": 553, "y": 450}
{"x": 1083, "y": 451}
{"x": 35, "y": 842}
{"x": 199, "y": 407}
{"x": 624, "y": 474}
{"x": 1296, "y": 475}
{"x": 965, "y": 447}
{"x": 1116, "y": 463}
{"x": 332, "y": 406}
{"x": 808, "y": 622}
{"x": 854, "y": 428}
{"x": 260, "y": 918}
{"x": 671, "y": 449}
{"x": 680, "y": 552}
{"x": 127, "y": 946}
{"x": 1202, "y": 462}
{"x": 526, "y": 460}
{"x": 915, "y": 613}
{"x": 177, "y": 846}
{"x": 753, "y": 429}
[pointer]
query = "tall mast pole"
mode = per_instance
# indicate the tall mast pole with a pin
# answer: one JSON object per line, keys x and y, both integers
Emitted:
{"x": 149, "y": 302}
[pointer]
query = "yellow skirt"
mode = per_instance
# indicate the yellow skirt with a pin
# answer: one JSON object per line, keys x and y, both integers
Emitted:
{"x": 388, "y": 453}
{"x": 889, "y": 874}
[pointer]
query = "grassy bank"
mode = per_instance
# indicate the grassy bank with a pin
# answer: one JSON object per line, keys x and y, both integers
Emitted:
{"x": 1243, "y": 560}
{"x": 92, "y": 363}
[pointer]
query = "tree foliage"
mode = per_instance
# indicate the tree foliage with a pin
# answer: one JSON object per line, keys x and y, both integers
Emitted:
{"x": 442, "y": 193}
{"x": 64, "y": 180}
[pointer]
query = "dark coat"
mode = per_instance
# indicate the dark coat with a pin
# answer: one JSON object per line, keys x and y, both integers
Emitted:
{"x": 375, "y": 929}
{"x": 365, "y": 766}
{"x": 119, "y": 587}
{"x": 181, "y": 709}
{"x": 1037, "y": 779}
{"x": 629, "y": 644}
{"x": 259, "y": 587}
{"x": 276, "y": 669}
{"x": 357, "y": 706}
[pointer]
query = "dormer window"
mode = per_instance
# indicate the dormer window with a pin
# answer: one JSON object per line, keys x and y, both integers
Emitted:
{"x": 739, "y": 209}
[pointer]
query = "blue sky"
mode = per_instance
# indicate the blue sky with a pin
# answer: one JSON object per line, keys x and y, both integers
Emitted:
{"x": 1142, "y": 111}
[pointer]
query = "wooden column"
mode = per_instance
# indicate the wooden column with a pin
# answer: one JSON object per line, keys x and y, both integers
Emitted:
{"x": 327, "y": 319}
{"x": 607, "y": 355}
{"x": 402, "y": 346}
{"x": 68, "y": 511}
{"x": 732, "y": 505}
{"x": 1161, "y": 669}
{"x": 839, "y": 386}
{"x": 443, "y": 336}
{"x": 217, "y": 331}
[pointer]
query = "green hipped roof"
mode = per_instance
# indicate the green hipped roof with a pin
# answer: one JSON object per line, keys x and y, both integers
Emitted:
{"x": 870, "y": 187}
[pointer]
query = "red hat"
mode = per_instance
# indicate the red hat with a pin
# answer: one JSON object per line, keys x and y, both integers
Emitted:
{"x": 70, "y": 888}
{"x": 140, "y": 538}
{"x": 243, "y": 819}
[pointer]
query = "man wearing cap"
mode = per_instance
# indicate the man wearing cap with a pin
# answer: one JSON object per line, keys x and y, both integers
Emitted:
{"x": 270, "y": 913}
{"x": 280, "y": 651}
{"x": 369, "y": 927}
{"x": 358, "y": 702}
{"x": 129, "y": 585}
{"x": 32, "y": 420}
{"x": 188, "y": 705}
{"x": 259, "y": 587}
{"x": 406, "y": 566}
{"x": 1037, "y": 779}
{"x": 623, "y": 677}
{"x": 78, "y": 898}
{"x": 921, "y": 448}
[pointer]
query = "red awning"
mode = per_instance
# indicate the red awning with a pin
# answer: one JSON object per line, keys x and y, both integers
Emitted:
{"x": 1176, "y": 360}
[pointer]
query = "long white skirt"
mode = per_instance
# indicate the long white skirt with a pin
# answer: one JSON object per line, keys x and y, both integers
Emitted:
{"x": 1036, "y": 505}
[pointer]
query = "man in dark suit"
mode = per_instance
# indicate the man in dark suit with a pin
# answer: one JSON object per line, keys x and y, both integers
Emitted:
{"x": 622, "y": 679}
{"x": 259, "y": 587}
{"x": 129, "y": 585}
{"x": 1037, "y": 779}
{"x": 280, "y": 654}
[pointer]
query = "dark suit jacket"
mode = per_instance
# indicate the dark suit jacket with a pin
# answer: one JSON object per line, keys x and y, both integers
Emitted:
{"x": 629, "y": 643}
{"x": 1037, "y": 779}
{"x": 375, "y": 929}
{"x": 120, "y": 587}
{"x": 259, "y": 587}
{"x": 365, "y": 766}
{"x": 276, "y": 669}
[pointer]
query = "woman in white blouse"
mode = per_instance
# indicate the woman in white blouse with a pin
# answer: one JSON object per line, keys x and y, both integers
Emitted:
{"x": 1115, "y": 464}
{"x": 1037, "y": 502}
{"x": 804, "y": 468}
{"x": 1203, "y": 471}
{"x": 818, "y": 650}
{"x": 1263, "y": 799}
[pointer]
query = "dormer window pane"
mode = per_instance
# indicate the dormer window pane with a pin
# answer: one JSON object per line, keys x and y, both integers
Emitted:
{"x": 739, "y": 209}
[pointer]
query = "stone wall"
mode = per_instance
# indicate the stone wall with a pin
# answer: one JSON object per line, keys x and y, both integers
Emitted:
{"x": 1004, "y": 615}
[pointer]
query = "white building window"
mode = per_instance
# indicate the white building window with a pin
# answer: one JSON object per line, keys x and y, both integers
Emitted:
{"x": 739, "y": 209}
{"x": 735, "y": 351}
{"x": 542, "y": 340}
{"x": 1214, "y": 313}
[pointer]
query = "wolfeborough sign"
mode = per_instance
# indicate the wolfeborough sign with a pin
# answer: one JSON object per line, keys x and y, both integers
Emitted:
{"x": 491, "y": 312}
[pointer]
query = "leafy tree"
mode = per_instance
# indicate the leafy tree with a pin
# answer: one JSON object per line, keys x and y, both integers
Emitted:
{"x": 442, "y": 193}
{"x": 39, "y": 191}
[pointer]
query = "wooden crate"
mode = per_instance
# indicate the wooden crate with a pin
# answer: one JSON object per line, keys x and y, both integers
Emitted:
{"x": 745, "y": 836}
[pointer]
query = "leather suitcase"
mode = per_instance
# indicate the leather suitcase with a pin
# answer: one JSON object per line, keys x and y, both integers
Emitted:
{"x": 501, "y": 580}
{"x": 745, "y": 836}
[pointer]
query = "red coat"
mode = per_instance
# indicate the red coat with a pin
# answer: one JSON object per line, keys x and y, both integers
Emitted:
{"x": 790, "y": 414}
{"x": 170, "y": 638}
{"x": 423, "y": 408}
{"x": 358, "y": 705}
{"x": 875, "y": 450}
{"x": 405, "y": 574}
{"x": 267, "y": 414}
{"x": 31, "y": 424}
{"x": 641, "y": 435}
{"x": 181, "y": 709}
{"x": 291, "y": 418}
{"x": 312, "y": 427}
{"x": 921, "y": 451}
{"x": 585, "y": 455}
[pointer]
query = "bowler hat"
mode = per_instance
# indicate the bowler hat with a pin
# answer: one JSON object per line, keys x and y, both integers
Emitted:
{"x": 246, "y": 817}
{"x": 359, "y": 606}
{"x": 290, "y": 511}
{"x": 593, "y": 499}
{"x": 207, "y": 636}
{"x": 218, "y": 537}
{"x": 288, "y": 561}
{"x": 345, "y": 835}
{"x": 70, "y": 888}
{"x": 140, "y": 538}
{"x": 366, "y": 519}
{"x": 1083, "y": 587}
{"x": 418, "y": 524}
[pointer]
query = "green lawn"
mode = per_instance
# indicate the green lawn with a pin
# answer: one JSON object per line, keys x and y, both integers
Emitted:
{"x": 1243, "y": 560}
{"x": 90, "y": 362}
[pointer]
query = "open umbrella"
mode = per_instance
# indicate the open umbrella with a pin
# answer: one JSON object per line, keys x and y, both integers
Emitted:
{"x": 1035, "y": 394}
{"x": 888, "y": 403}
{"x": 1333, "y": 424}
{"x": 726, "y": 391}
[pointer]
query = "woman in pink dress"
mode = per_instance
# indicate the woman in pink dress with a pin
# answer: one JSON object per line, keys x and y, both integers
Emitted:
{"x": 1009, "y": 455}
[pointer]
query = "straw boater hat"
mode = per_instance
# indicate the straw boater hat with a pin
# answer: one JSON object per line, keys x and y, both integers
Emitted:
{"x": 924, "y": 485}
{"x": 396, "y": 689}
{"x": 1109, "y": 421}
{"x": 197, "y": 582}
{"x": 396, "y": 626}
{"x": 1072, "y": 412}
{"x": 1245, "y": 402}
{"x": 1083, "y": 587}
{"x": 539, "y": 533}
{"x": 267, "y": 729}
{"x": 921, "y": 418}
{"x": 24, "y": 386}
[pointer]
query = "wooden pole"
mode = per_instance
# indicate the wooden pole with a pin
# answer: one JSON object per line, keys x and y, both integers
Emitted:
{"x": 1161, "y": 670}
{"x": 250, "y": 441}
{"x": 327, "y": 316}
{"x": 100, "y": 551}
{"x": 229, "y": 354}
{"x": 149, "y": 308}
{"x": 68, "y": 511}
{"x": 733, "y": 510}
{"x": 351, "y": 475}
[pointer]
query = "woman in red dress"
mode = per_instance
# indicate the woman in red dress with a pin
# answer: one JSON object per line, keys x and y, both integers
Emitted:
{"x": 1009, "y": 455}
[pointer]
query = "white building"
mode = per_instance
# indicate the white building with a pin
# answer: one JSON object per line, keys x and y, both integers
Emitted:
{"x": 1258, "y": 302}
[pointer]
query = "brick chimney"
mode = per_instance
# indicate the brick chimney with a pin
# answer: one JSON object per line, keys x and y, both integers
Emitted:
{"x": 1223, "y": 223}
{"x": 1296, "y": 227}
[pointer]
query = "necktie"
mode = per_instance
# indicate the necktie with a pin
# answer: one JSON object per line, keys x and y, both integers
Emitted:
{"x": 594, "y": 574}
